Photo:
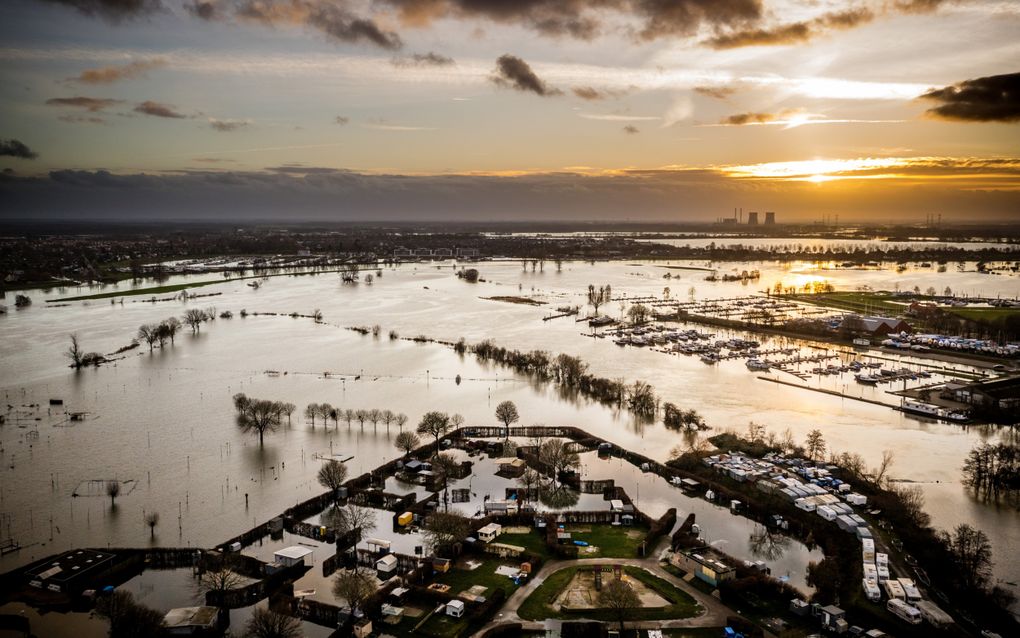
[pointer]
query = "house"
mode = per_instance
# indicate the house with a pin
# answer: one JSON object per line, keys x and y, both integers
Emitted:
{"x": 455, "y": 608}
{"x": 1001, "y": 394}
{"x": 705, "y": 563}
{"x": 489, "y": 532}
{"x": 191, "y": 621}
{"x": 290, "y": 556}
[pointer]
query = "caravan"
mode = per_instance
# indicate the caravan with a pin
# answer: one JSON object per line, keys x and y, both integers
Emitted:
{"x": 902, "y": 610}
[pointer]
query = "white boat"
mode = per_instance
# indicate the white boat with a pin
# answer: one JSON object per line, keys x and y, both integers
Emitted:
{"x": 867, "y": 379}
{"x": 757, "y": 364}
{"x": 919, "y": 407}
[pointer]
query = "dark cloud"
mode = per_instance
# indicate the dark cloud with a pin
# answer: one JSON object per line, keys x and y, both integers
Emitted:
{"x": 213, "y": 160}
{"x": 110, "y": 74}
{"x": 226, "y": 126}
{"x": 718, "y": 92}
{"x": 740, "y": 119}
{"x": 330, "y": 17}
{"x": 112, "y": 10}
{"x": 592, "y": 94}
{"x": 514, "y": 73}
{"x": 342, "y": 120}
{"x": 631, "y": 129}
{"x": 340, "y": 24}
{"x": 92, "y": 104}
{"x": 792, "y": 33}
{"x": 583, "y": 19}
{"x": 423, "y": 59}
{"x": 16, "y": 148}
{"x": 990, "y": 99}
{"x": 158, "y": 109}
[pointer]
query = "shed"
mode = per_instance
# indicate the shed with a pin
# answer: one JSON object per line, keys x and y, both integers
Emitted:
{"x": 191, "y": 621}
{"x": 387, "y": 564}
{"x": 293, "y": 555}
{"x": 488, "y": 533}
{"x": 455, "y": 608}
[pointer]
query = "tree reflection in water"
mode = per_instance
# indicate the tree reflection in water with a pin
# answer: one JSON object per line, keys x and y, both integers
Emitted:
{"x": 767, "y": 545}
{"x": 559, "y": 498}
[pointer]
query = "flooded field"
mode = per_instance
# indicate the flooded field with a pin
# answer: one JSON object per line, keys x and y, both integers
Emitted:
{"x": 164, "y": 422}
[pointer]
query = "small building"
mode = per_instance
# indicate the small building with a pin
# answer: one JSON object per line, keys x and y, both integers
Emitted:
{"x": 705, "y": 563}
{"x": 387, "y": 564}
{"x": 455, "y": 608}
{"x": 290, "y": 556}
{"x": 488, "y": 533}
{"x": 363, "y": 628}
{"x": 191, "y": 621}
{"x": 834, "y": 619}
{"x": 511, "y": 466}
{"x": 71, "y": 572}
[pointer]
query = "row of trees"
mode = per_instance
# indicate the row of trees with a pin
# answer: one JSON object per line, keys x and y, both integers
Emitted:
{"x": 326, "y": 411}
{"x": 153, "y": 333}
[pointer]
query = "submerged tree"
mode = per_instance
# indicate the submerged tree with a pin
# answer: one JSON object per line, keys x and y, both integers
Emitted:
{"x": 443, "y": 529}
{"x": 351, "y": 518}
{"x": 127, "y": 618}
{"x": 258, "y": 415}
{"x": 113, "y": 491}
{"x": 972, "y": 552}
{"x": 332, "y": 475}
{"x": 152, "y": 519}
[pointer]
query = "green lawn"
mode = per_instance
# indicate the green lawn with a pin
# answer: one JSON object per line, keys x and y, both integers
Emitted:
{"x": 154, "y": 290}
{"x": 460, "y": 579}
{"x": 861, "y": 302}
{"x": 439, "y": 625}
{"x": 613, "y": 541}
{"x": 537, "y": 605}
{"x": 533, "y": 541}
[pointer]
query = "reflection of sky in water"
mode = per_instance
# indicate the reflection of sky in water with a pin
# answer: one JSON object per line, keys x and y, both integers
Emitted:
{"x": 165, "y": 420}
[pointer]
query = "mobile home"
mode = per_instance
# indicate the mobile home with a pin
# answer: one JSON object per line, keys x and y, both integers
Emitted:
{"x": 903, "y": 611}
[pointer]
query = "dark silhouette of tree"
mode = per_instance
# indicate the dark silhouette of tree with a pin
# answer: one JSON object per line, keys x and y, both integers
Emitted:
{"x": 312, "y": 411}
{"x": 407, "y": 442}
{"x": 401, "y": 420}
{"x": 113, "y": 491}
{"x": 355, "y": 587}
{"x": 258, "y": 415}
{"x": 266, "y": 623}
{"x": 349, "y": 518}
{"x": 443, "y": 529}
{"x": 74, "y": 352}
{"x": 374, "y": 415}
{"x": 434, "y": 424}
{"x": 152, "y": 519}
{"x": 194, "y": 318}
{"x": 557, "y": 454}
{"x": 815, "y": 445}
{"x": 149, "y": 333}
{"x": 445, "y": 468}
{"x": 620, "y": 599}
{"x": 127, "y": 618}
{"x": 972, "y": 552}
{"x": 506, "y": 412}
{"x": 599, "y": 296}
{"x": 639, "y": 314}
{"x": 332, "y": 476}
{"x": 361, "y": 416}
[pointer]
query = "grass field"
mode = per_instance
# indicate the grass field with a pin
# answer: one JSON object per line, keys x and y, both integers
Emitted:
{"x": 533, "y": 541}
{"x": 460, "y": 579}
{"x": 537, "y": 605}
{"x": 859, "y": 302}
{"x": 154, "y": 290}
{"x": 612, "y": 541}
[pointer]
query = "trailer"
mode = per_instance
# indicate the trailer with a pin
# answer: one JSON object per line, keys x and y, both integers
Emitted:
{"x": 871, "y": 589}
{"x": 903, "y": 611}
{"x": 911, "y": 591}
{"x": 894, "y": 590}
{"x": 933, "y": 614}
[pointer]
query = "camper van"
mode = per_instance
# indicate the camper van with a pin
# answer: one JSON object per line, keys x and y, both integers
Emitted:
{"x": 905, "y": 612}
{"x": 894, "y": 590}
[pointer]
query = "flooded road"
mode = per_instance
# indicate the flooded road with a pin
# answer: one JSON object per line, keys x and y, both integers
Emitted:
{"x": 164, "y": 420}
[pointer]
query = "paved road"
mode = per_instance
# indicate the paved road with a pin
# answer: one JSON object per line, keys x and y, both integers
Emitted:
{"x": 712, "y": 613}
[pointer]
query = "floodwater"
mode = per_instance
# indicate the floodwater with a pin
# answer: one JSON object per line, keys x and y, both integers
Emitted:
{"x": 164, "y": 420}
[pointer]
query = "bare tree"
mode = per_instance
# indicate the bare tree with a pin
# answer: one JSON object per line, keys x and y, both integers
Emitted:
{"x": 149, "y": 333}
{"x": 361, "y": 416}
{"x": 170, "y": 327}
{"x": 434, "y": 424}
{"x": 312, "y": 411}
{"x": 599, "y": 296}
{"x": 325, "y": 411}
{"x": 349, "y": 518}
{"x": 113, "y": 491}
{"x": 881, "y": 473}
{"x": 443, "y": 529}
{"x": 152, "y": 519}
{"x": 620, "y": 599}
{"x": 355, "y": 587}
{"x": 128, "y": 618}
{"x": 348, "y": 416}
{"x": 445, "y": 467}
{"x": 74, "y": 352}
{"x": 556, "y": 453}
{"x": 332, "y": 476}
{"x": 815, "y": 444}
{"x": 258, "y": 415}
{"x": 194, "y": 318}
{"x": 266, "y": 623}
{"x": 374, "y": 415}
{"x": 388, "y": 417}
{"x": 507, "y": 414}
{"x": 407, "y": 442}
{"x": 401, "y": 420}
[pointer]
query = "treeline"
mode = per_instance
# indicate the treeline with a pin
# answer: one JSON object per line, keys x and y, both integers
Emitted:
{"x": 326, "y": 411}
{"x": 571, "y": 373}
{"x": 993, "y": 469}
